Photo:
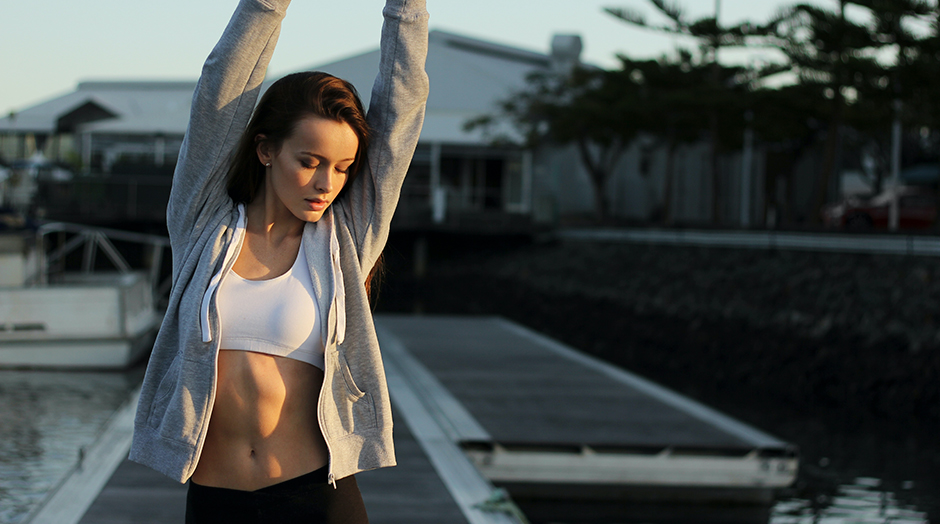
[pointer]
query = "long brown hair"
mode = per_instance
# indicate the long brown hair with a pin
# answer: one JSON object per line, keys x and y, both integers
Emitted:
{"x": 288, "y": 101}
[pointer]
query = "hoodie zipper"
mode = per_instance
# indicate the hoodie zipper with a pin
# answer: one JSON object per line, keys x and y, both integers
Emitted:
{"x": 329, "y": 451}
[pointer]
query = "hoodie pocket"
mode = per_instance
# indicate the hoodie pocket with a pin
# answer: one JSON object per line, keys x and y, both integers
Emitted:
{"x": 355, "y": 407}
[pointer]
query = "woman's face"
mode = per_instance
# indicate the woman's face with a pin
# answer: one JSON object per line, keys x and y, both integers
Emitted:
{"x": 310, "y": 168}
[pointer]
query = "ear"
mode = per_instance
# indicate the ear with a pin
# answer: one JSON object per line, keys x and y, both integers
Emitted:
{"x": 263, "y": 148}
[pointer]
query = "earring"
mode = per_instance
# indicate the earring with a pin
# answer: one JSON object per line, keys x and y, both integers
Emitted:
{"x": 268, "y": 164}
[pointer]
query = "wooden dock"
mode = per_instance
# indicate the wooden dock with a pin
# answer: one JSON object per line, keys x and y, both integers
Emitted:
{"x": 481, "y": 402}
{"x": 549, "y": 423}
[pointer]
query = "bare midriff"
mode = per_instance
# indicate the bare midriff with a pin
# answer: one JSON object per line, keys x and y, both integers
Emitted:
{"x": 263, "y": 429}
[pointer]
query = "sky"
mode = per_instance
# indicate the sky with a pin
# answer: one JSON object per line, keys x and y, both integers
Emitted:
{"x": 48, "y": 46}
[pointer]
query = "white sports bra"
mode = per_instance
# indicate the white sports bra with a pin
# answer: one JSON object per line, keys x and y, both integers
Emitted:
{"x": 278, "y": 316}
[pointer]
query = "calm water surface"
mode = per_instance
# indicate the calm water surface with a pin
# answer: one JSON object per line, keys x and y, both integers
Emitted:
{"x": 46, "y": 418}
{"x": 862, "y": 502}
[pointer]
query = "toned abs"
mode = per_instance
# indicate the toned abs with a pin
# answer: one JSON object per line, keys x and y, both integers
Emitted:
{"x": 264, "y": 427}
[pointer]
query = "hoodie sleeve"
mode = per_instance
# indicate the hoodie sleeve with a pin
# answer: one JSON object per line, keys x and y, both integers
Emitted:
{"x": 396, "y": 114}
{"x": 222, "y": 104}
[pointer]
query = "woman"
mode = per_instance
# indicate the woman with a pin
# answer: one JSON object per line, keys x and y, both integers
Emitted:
{"x": 265, "y": 387}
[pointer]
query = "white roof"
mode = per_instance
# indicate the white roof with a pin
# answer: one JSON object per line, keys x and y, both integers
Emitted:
{"x": 144, "y": 107}
{"x": 468, "y": 77}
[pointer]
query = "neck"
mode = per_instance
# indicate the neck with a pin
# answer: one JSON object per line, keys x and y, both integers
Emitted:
{"x": 272, "y": 221}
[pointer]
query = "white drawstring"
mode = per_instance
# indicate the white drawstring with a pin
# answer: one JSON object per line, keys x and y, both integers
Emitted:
{"x": 339, "y": 289}
{"x": 217, "y": 278}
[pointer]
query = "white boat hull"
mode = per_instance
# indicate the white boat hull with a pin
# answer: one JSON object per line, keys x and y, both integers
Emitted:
{"x": 74, "y": 354}
{"x": 100, "y": 321}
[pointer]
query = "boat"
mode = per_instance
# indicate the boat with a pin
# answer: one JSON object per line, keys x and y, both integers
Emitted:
{"x": 54, "y": 317}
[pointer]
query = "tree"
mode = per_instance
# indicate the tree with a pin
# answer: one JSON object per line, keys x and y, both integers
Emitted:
{"x": 894, "y": 95}
{"x": 840, "y": 81}
{"x": 843, "y": 58}
{"x": 920, "y": 74}
{"x": 711, "y": 37}
{"x": 678, "y": 103}
{"x": 602, "y": 112}
{"x": 920, "y": 81}
{"x": 587, "y": 108}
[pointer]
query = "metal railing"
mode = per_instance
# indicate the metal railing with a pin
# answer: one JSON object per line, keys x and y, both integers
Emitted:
{"x": 95, "y": 239}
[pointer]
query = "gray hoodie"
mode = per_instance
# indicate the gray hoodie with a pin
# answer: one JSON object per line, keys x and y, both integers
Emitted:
{"x": 206, "y": 231}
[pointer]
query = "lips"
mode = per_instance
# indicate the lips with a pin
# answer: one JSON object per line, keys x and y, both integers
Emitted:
{"x": 316, "y": 204}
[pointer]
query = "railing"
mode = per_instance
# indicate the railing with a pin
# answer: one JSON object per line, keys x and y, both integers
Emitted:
{"x": 92, "y": 240}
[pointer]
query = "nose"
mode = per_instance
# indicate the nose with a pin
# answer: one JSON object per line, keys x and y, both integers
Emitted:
{"x": 323, "y": 179}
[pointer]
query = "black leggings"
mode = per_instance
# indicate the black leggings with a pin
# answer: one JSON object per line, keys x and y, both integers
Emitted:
{"x": 307, "y": 499}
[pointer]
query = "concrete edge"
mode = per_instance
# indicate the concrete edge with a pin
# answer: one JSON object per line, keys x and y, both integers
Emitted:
{"x": 821, "y": 242}
{"x": 69, "y": 502}
{"x": 451, "y": 416}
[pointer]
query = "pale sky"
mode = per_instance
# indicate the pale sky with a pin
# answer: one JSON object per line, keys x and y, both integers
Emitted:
{"x": 48, "y": 46}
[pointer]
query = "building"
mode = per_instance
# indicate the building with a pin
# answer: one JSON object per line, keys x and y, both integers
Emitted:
{"x": 133, "y": 129}
{"x": 123, "y": 137}
{"x": 104, "y": 124}
{"x": 126, "y": 136}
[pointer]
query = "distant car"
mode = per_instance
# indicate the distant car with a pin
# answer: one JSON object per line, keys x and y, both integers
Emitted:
{"x": 917, "y": 209}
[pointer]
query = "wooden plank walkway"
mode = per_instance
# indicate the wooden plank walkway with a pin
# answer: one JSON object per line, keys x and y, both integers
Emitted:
{"x": 542, "y": 419}
{"x": 524, "y": 388}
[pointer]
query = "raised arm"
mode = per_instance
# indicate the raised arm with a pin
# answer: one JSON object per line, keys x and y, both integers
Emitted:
{"x": 396, "y": 114}
{"x": 222, "y": 104}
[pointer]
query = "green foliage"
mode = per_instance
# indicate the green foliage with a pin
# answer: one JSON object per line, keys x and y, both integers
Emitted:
{"x": 706, "y": 30}
{"x": 590, "y": 108}
{"x": 849, "y": 72}
{"x": 562, "y": 109}
{"x": 675, "y": 97}
{"x": 867, "y": 66}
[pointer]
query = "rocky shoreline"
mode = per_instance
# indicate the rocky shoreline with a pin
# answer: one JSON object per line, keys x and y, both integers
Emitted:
{"x": 839, "y": 353}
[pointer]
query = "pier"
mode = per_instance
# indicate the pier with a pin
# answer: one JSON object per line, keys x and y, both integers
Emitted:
{"x": 489, "y": 414}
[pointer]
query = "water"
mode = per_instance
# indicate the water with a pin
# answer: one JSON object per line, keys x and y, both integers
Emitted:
{"x": 46, "y": 418}
{"x": 848, "y": 475}
{"x": 863, "y": 502}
